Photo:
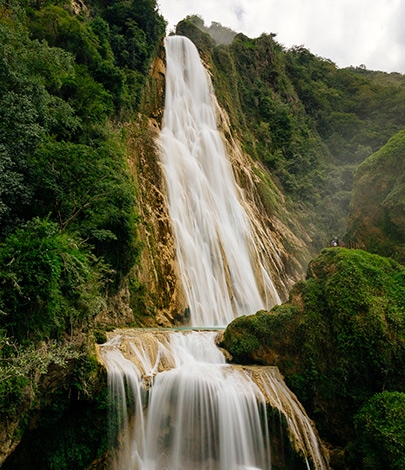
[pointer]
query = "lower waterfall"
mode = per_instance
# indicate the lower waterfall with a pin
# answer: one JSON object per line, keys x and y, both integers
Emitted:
{"x": 178, "y": 405}
{"x": 175, "y": 402}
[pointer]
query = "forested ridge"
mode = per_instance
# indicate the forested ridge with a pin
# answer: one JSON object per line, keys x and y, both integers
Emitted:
{"x": 72, "y": 82}
{"x": 308, "y": 121}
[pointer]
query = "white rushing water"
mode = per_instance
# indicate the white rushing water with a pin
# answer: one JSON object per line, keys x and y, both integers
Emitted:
{"x": 221, "y": 272}
{"x": 176, "y": 403}
{"x": 202, "y": 413}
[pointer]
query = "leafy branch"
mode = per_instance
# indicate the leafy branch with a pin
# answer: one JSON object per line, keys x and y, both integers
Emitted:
{"x": 31, "y": 360}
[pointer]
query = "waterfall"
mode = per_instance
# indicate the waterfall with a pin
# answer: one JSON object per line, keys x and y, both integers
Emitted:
{"x": 175, "y": 402}
{"x": 222, "y": 273}
{"x": 202, "y": 413}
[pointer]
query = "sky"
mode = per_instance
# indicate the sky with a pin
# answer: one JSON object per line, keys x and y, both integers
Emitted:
{"x": 348, "y": 32}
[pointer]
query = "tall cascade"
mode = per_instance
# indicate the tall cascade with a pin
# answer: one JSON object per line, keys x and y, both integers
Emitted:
{"x": 222, "y": 273}
{"x": 176, "y": 404}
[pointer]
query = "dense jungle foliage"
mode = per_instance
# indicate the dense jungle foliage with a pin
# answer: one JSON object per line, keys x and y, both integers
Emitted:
{"x": 71, "y": 78}
{"x": 340, "y": 343}
{"x": 377, "y": 208}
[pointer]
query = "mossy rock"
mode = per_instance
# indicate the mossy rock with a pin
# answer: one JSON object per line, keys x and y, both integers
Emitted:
{"x": 339, "y": 340}
{"x": 263, "y": 338}
{"x": 380, "y": 427}
{"x": 203, "y": 41}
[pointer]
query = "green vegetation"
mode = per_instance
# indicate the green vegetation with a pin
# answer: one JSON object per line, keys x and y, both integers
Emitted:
{"x": 49, "y": 285}
{"x": 376, "y": 218}
{"x": 221, "y": 34}
{"x": 380, "y": 427}
{"x": 310, "y": 123}
{"x": 62, "y": 87}
{"x": 71, "y": 80}
{"x": 70, "y": 430}
{"x": 339, "y": 341}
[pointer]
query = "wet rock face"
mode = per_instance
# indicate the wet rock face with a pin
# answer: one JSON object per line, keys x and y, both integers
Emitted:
{"x": 164, "y": 302}
{"x": 8, "y": 442}
{"x": 202, "y": 412}
{"x": 270, "y": 232}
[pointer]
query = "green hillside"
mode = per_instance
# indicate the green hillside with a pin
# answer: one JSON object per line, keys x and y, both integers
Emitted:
{"x": 308, "y": 121}
{"x": 377, "y": 209}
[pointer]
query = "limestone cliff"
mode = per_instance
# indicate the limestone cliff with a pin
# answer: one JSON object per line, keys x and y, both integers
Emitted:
{"x": 158, "y": 297}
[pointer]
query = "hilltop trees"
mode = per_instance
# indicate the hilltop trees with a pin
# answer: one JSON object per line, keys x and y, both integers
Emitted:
{"x": 376, "y": 220}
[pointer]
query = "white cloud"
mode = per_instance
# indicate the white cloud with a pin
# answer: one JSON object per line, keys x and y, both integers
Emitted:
{"x": 347, "y": 32}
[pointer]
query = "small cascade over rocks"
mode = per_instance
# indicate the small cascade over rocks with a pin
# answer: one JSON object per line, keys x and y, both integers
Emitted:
{"x": 179, "y": 405}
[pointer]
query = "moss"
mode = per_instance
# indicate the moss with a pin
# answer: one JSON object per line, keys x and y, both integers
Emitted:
{"x": 339, "y": 340}
{"x": 73, "y": 441}
{"x": 202, "y": 40}
{"x": 67, "y": 427}
{"x": 247, "y": 338}
{"x": 283, "y": 454}
{"x": 380, "y": 426}
{"x": 241, "y": 340}
{"x": 100, "y": 335}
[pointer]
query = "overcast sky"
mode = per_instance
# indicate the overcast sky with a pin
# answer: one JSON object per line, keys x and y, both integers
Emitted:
{"x": 349, "y": 32}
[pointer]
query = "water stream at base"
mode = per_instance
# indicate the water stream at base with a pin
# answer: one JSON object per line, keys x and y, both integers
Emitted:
{"x": 176, "y": 403}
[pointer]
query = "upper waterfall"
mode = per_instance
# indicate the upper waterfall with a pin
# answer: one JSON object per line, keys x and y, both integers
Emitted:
{"x": 221, "y": 270}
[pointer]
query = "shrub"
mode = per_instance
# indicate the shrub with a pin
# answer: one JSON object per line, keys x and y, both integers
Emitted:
{"x": 380, "y": 426}
{"x": 47, "y": 283}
